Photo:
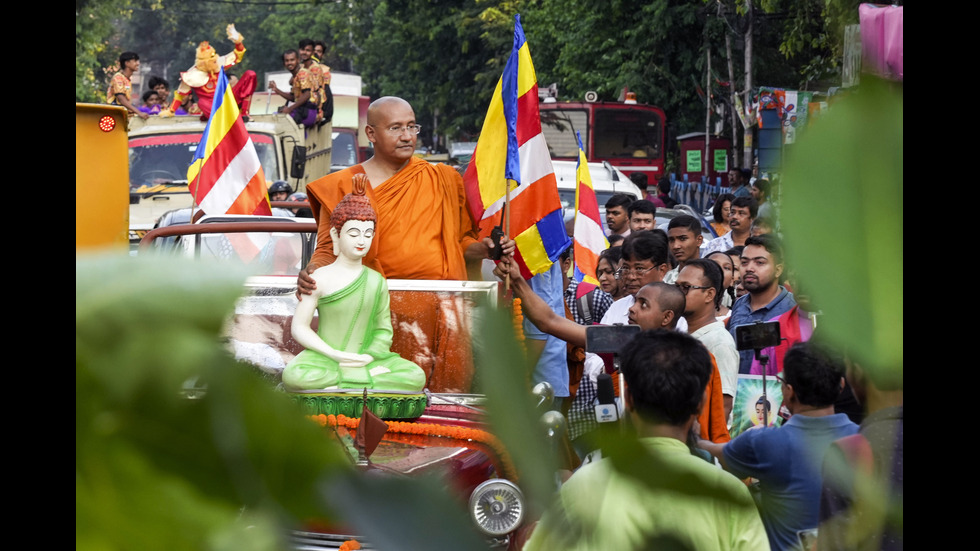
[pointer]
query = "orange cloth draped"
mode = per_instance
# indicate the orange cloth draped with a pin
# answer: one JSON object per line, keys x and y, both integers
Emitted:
{"x": 714, "y": 426}
{"x": 423, "y": 228}
{"x": 423, "y": 223}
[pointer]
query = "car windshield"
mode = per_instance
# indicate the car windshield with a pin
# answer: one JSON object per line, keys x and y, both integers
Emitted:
{"x": 344, "y": 149}
{"x": 266, "y": 253}
{"x": 164, "y": 158}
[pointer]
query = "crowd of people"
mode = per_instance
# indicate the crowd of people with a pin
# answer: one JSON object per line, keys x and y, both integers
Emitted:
{"x": 309, "y": 100}
{"x": 681, "y": 374}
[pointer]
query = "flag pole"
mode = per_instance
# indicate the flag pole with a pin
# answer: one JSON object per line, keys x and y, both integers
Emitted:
{"x": 507, "y": 227}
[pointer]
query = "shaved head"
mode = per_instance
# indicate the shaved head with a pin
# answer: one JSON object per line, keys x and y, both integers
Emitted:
{"x": 382, "y": 105}
{"x": 670, "y": 298}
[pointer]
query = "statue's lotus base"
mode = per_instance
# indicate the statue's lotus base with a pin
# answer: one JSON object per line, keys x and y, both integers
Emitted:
{"x": 386, "y": 405}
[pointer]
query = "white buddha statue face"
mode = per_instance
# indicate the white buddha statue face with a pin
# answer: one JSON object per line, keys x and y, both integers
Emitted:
{"x": 354, "y": 239}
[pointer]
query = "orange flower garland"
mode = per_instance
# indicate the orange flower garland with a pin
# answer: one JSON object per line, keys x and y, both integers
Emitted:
{"x": 349, "y": 545}
{"x": 431, "y": 429}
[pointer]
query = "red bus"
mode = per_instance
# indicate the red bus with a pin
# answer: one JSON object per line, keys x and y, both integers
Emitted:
{"x": 628, "y": 135}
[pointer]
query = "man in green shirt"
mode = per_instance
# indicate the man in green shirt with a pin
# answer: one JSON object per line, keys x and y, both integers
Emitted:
{"x": 681, "y": 501}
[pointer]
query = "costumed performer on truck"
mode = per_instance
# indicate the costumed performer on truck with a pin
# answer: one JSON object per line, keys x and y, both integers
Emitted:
{"x": 202, "y": 78}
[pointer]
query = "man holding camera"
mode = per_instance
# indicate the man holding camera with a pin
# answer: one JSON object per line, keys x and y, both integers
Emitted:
{"x": 762, "y": 264}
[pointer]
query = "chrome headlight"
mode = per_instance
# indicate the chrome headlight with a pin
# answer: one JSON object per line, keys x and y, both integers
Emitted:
{"x": 497, "y": 507}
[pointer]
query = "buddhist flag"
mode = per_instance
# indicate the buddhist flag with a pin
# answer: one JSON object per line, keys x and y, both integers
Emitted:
{"x": 589, "y": 237}
{"x": 512, "y": 147}
{"x": 225, "y": 176}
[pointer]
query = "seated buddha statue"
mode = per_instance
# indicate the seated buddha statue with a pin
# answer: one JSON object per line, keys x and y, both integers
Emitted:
{"x": 352, "y": 347}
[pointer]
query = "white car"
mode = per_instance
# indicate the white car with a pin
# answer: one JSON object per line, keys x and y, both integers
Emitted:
{"x": 606, "y": 180}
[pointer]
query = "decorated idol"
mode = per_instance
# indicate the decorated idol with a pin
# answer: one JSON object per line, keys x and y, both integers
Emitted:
{"x": 202, "y": 78}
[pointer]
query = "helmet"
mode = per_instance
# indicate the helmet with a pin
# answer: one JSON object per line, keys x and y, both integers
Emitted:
{"x": 280, "y": 186}
{"x": 298, "y": 196}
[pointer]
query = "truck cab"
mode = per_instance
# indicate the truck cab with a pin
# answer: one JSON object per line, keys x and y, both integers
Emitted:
{"x": 160, "y": 150}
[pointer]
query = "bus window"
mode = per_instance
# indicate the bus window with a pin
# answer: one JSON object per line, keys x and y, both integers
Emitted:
{"x": 559, "y": 127}
{"x": 627, "y": 133}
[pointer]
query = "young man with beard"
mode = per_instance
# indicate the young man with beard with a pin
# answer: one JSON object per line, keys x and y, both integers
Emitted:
{"x": 762, "y": 264}
{"x": 303, "y": 107}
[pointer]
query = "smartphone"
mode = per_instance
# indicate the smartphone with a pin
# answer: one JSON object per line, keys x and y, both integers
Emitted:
{"x": 601, "y": 339}
{"x": 758, "y": 335}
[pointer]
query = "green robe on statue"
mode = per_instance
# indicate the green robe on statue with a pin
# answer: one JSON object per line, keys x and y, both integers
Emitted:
{"x": 355, "y": 319}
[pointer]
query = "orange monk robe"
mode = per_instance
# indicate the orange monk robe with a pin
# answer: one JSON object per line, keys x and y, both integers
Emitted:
{"x": 423, "y": 225}
{"x": 423, "y": 229}
{"x": 714, "y": 426}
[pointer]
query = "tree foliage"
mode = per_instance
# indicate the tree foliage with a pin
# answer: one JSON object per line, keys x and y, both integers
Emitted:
{"x": 445, "y": 56}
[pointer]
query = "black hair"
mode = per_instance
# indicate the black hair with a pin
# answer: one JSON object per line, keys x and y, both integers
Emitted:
{"x": 711, "y": 273}
{"x": 565, "y": 254}
{"x": 762, "y": 221}
{"x": 157, "y": 81}
{"x": 647, "y": 245}
{"x": 612, "y": 255}
{"x": 127, "y": 56}
{"x": 763, "y": 185}
{"x": 305, "y": 42}
{"x": 321, "y": 44}
{"x": 664, "y": 185}
{"x": 762, "y": 400}
{"x": 749, "y": 202}
{"x": 619, "y": 200}
{"x": 642, "y": 206}
{"x": 149, "y": 93}
{"x": 640, "y": 179}
{"x": 771, "y": 243}
{"x": 814, "y": 371}
{"x": 719, "y": 203}
{"x": 666, "y": 373}
{"x": 686, "y": 221}
{"x": 730, "y": 290}
{"x": 287, "y": 52}
{"x": 615, "y": 240}
{"x": 670, "y": 298}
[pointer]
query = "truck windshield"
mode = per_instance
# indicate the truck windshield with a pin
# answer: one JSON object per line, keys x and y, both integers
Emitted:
{"x": 165, "y": 158}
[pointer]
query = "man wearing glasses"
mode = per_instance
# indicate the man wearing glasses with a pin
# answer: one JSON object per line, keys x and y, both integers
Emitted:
{"x": 424, "y": 228}
{"x": 701, "y": 282}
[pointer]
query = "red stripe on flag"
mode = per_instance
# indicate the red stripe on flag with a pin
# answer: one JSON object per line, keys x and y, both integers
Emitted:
{"x": 528, "y": 118}
{"x": 220, "y": 158}
{"x": 587, "y": 202}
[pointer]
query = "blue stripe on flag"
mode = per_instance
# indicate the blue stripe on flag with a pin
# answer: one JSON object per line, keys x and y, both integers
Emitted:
{"x": 512, "y": 169}
{"x": 552, "y": 231}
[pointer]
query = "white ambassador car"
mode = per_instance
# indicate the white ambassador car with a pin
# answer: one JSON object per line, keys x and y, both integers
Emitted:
{"x": 606, "y": 180}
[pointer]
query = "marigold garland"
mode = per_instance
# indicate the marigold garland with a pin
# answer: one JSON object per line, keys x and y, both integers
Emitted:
{"x": 518, "y": 321}
{"x": 431, "y": 429}
{"x": 349, "y": 545}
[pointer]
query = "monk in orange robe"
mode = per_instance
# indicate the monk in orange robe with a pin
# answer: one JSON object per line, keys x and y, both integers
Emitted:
{"x": 424, "y": 231}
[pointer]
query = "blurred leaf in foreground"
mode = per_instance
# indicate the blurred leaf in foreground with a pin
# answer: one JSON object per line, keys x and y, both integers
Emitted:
{"x": 154, "y": 470}
{"x": 843, "y": 223}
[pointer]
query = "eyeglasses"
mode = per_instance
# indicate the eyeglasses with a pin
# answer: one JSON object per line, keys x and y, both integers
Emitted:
{"x": 625, "y": 271}
{"x": 398, "y": 129}
{"x": 780, "y": 379}
{"x": 685, "y": 287}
